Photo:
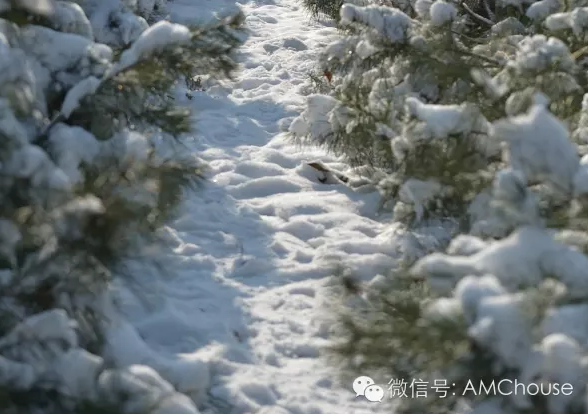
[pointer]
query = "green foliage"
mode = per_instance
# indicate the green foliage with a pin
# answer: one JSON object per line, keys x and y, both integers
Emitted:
{"x": 139, "y": 96}
{"x": 30, "y": 403}
{"x": 318, "y": 8}
{"x": 417, "y": 101}
{"x": 396, "y": 333}
{"x": 442, "y": 65}
{"x": 109, "y": 235}
{"x": 319, "y": 82}
{"x": 390, "y": 336}
{"x": 65, "y": 236}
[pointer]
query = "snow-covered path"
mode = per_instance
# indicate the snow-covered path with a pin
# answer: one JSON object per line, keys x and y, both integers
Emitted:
{"x": 247, "y": 280}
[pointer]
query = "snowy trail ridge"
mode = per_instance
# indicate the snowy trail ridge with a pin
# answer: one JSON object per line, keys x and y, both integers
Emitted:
{"x": 247, "y": 276}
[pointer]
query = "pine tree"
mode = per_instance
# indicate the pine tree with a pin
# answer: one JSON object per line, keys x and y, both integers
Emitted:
{"x": 393, "y": 66}
{"x": 91, "y": 165}
{"x": 477, "y": 119}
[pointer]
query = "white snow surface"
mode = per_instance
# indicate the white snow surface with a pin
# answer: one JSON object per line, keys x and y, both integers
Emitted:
{"x": 237, "y": 318}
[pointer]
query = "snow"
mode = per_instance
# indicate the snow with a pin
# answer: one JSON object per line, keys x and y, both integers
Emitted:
{"x": 442, "y": 120}
{"x": 154, "y": 40}
{"x": 71, "y": 146}
{"x": 10, "y": 127}
{"x": 28, "y": 161}
{"x": 392, "y": 23}
{"x": 423, "y": 8}
{"x": 567, "y": 320}
{"x": 540, "y": 147}
{"x": 315, "y": 119}
{"x": 112, "y": 24}
{"x": 501, "y": 326}
{"x": 510, "y": 189}
{"x": 232, "y": 314}
{"x": 84, "y": 88}
{"x": 471, "y": 290}
{"x": 236, "y": 319}
{"x": 542, "y": 8}
{"x": 523, "y": 259}
{"x": 442, "y": 13}
{"x": 58, "y": 52}
{"x": 419, "y": 192}
{"x": 70, "y": 18}
{"x": 536, "y": 53}
{"x": 465, "y": 245}
{"x": 563, "y": 362}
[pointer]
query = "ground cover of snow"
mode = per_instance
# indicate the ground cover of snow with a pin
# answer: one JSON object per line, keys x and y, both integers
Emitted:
{"x": 235, "y": 314}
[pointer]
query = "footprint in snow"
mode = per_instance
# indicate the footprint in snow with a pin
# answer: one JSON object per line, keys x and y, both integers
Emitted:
{"x": 293, "y": 43}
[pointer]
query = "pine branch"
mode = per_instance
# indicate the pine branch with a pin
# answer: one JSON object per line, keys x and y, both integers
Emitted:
{"x": 210, "y": 50}
{"x": 475, "y": 15}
